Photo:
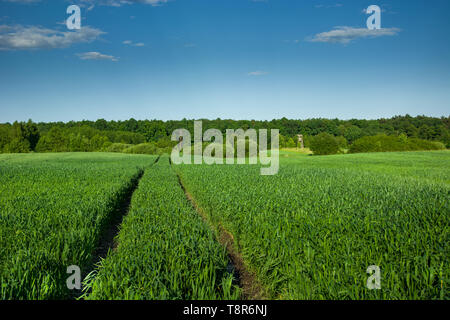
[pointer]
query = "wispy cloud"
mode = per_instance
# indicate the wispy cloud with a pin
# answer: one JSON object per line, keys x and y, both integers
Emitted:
{"x": 18, "y": 37}
{"x": 385, "y": 8}
{"x": 22, "y": 1}
{"x": 292, "y": 41}
{"x": 257, "y": 73}
{"x": 96, "y": 56}
{"x": 91, "y": 3}
{"x": 134, "y": 44}
{"x": 119, "y": 3}
{"x": 345, "y": 35}
{"x": 337, "y": 5}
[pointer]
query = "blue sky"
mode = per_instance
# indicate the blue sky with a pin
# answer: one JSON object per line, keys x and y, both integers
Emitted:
{"x": 239, "y": 59}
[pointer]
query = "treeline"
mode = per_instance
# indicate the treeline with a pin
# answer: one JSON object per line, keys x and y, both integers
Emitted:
{"x": 21, "y": 137}
{"x": 154, "y": 135}
{"x": 427, "y": 128}
{"x": 384, "y": 143}
{"x": 326, "y": 144}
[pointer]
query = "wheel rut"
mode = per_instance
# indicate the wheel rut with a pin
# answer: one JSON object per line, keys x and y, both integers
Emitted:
{"x": 245, "y": 279}
{"x": 108, "y": 238}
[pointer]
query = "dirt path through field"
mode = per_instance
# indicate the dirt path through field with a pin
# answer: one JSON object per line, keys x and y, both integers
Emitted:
{"x": 251, "y": 288}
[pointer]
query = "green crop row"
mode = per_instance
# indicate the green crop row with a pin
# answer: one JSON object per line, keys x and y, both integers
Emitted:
{"x": 165, "y": 250}
{"x": 53, "y": 209}
{"x": 311, "y": 231}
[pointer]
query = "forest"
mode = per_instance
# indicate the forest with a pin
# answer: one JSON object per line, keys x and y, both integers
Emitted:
{"x": 153, "y": 136}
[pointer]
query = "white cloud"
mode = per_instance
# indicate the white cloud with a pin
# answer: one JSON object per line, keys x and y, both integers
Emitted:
{"x": 337, "y": 5}
{"x": 91, "y": 3}
{"x": 22, "y": 1}
{"x": 119, "y": 3}
{"x": 345, "y": 35}
{"x": 96, "y": 56}
{"x": 257, "y": 73}
{"x": 33, "y": 37}
{"x": 130, "y": 43}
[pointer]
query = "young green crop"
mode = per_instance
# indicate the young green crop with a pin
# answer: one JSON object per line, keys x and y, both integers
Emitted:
{"x": 311, "y": 231}
{"x": 165, "y": 250}
{"x": 53, "y": 208}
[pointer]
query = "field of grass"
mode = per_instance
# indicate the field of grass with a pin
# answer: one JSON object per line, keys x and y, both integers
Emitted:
{"x": 309, "y": 232}
{"x": 53, "y": 208}
{"x": 165, "y": 250}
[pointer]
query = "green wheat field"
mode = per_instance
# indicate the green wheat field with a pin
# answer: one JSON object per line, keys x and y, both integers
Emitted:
{"x": 309, "y": 232}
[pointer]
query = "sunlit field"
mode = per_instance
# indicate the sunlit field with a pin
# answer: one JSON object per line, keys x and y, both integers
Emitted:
{"x": 309, "y": 232}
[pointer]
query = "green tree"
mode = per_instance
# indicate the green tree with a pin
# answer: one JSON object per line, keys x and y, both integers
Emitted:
{"x": 97, "y": 142}
{"x": 290, "y": 143}
{"x": 18, "y": 139}
{"x": 31, "y": 133}
{"x": 18, "y": 145}
{"x": 4, "y": 136}
{"x": 53, "y": 141}
{"x": 324, "y": 144}
{"x": 352, "y": 133}
{"x": 426, "y": 132}
{"x": 342, "y": 142}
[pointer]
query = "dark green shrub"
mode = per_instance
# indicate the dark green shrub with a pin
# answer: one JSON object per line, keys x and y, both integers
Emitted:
{"x": 18, "y": 145}
{"x": 143, "y": 148}
{"x": 384, "y": 143}
{"x": 324, "y": 144}
{"x": 290, "y": 143}
{"x": 118, "y": 147}
{"x": 420, "y": 144}
{"x": 342, "y": 142}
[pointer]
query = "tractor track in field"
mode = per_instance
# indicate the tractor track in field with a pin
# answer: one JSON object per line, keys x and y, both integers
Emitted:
{"x": 107, "y": 240}
{"x": 108, "y": 237}
{"x": 246, "y": 280}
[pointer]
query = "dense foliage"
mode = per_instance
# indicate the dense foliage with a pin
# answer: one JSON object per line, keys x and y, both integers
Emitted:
{"x": 324, "y": 144}
{"x": 101, "y": 134}
{"x": 53, "y": 209}
{"x": 18, "y": 138}
{"x": 384, "y": 143}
